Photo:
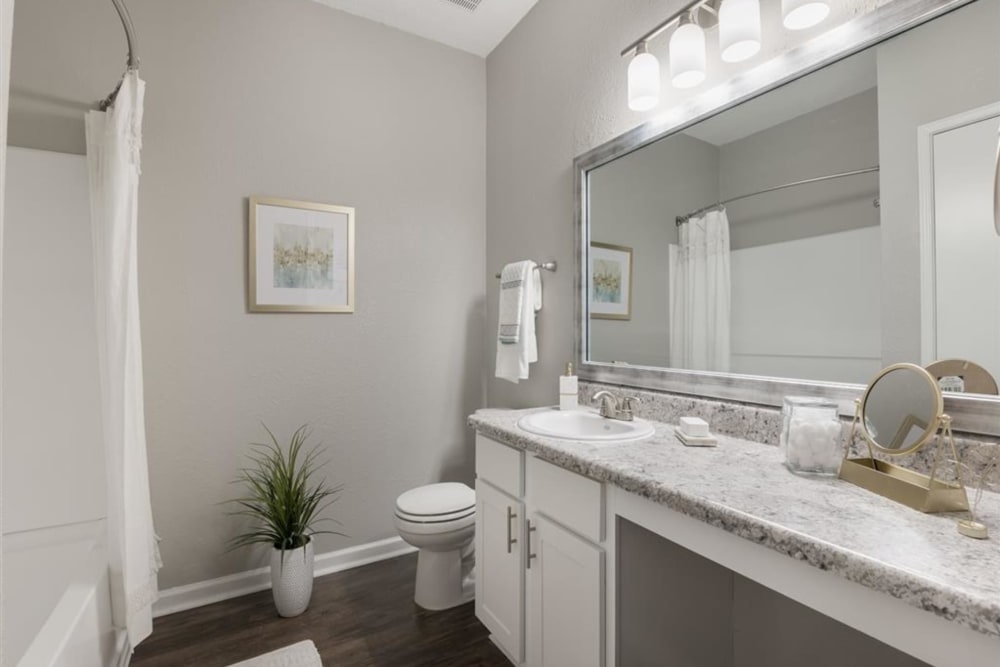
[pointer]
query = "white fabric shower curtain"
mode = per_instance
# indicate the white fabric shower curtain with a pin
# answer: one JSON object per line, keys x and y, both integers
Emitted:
{"x": 114, "y": 139}
{"x": 700, "y": 294}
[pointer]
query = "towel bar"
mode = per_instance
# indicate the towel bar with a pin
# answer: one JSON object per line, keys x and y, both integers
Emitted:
{"x": 548, "y": 266}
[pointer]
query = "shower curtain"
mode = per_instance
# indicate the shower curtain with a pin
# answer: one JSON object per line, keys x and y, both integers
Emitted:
{"x": 114, "y": 139}
{"x": 700, "y": 293}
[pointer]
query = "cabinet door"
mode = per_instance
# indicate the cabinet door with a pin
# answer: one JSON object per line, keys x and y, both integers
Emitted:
{"x": 499, "y": 569}
{"x": 565, "y": 604}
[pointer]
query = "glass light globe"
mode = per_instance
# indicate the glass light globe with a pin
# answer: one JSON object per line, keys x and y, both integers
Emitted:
{"x": 687, "y": 56}
{"x": 739, "y": 29}
{"x": 643, "y": 81}
{"x": 802, "y": 14}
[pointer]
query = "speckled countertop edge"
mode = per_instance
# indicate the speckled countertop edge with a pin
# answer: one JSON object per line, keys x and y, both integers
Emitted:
{"x": 968, "y": 595}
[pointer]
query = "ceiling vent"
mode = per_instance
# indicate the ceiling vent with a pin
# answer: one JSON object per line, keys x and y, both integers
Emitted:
{"x": 471, "y": 5}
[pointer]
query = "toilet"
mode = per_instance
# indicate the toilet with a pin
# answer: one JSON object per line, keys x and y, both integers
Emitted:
{"x": 440, "y": 521}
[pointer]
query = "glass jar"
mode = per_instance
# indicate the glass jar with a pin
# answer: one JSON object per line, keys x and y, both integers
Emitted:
{"x": 811, "y": 435}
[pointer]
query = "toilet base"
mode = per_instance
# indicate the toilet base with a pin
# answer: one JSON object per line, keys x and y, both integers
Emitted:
{"x": 444, "y": 579}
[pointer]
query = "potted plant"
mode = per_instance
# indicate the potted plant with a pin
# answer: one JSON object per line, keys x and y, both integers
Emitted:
{"x": 284, "y": 500}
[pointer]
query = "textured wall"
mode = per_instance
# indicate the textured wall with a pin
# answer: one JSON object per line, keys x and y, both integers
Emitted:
{"x": 286, "y": 98}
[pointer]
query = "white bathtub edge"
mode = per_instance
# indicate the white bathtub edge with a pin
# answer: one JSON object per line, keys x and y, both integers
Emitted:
{"x": 84, "y": 604}
{"x": 198, "y": 594}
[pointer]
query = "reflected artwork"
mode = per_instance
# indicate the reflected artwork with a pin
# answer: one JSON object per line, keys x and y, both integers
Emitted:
{"x": 611, "y": 281}
{"x": 607, "y": 281}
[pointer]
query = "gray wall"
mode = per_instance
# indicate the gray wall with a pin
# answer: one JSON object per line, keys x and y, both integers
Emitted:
{"x": 633, "y": 202}
{"x": 285, "y": 98}
{"x": 932, "y": 72}
{"x": 678, "y": 608}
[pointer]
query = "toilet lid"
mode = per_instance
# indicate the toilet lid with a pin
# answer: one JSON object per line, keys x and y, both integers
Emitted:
{"x": 437, "y": 499}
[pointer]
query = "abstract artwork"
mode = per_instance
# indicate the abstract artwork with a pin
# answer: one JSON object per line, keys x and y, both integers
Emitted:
{"x": 301, "y": 257}
{"x": 610, "y": 282}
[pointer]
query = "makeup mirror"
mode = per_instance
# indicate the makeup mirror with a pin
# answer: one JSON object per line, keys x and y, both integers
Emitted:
{"x": 901, "y": 409}
{"x": 901, "y": 412}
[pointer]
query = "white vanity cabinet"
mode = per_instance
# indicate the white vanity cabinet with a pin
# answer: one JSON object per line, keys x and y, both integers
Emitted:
{"x": 565, "y": 605}
{"x": 539, "y": 558}
{"x": 499, "y": 566}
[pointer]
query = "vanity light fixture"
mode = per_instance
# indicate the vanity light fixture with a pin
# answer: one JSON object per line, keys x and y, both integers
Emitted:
{"x": 687, "y": 53}
{"x": 739, "y": 29}
{"x": 802, "y": 14}
{"x": 643, "y": 80}
{"x": 739, "y": 23}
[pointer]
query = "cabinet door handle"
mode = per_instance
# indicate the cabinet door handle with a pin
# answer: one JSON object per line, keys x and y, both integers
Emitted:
{"x": 511, "y": 540}
{"x": 531, "y": 529}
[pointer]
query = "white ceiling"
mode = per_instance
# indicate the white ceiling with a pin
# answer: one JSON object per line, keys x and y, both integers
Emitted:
{"x": 477, "y": 31}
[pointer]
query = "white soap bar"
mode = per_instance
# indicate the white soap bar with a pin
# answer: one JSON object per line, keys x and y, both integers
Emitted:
{"x": 694, "y": 426}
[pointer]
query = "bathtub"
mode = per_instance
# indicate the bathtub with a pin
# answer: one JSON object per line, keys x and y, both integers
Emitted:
{"x": 57, "y": 602}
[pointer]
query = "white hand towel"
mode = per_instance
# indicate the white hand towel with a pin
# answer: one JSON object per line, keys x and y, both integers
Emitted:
{"x": 514, "y": 357}
{"x": 512, "y": 295}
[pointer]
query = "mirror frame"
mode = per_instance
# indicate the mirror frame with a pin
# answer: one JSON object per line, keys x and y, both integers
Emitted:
{"x": 971, "y": 413}
{"x": 932, "y": 426}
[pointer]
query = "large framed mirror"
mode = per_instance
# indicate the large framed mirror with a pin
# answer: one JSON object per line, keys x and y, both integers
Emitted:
{"x": 804, "y": 225}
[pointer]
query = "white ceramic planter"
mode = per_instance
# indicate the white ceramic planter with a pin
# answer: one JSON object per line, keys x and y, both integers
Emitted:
{"x": 292, "y": 579}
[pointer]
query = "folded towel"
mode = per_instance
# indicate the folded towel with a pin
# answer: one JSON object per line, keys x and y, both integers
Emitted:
{"x": 512, "y": 284}
{"x": 520, "y": 299}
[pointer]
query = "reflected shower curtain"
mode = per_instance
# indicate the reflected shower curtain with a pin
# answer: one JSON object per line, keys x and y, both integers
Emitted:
{"x": 700, "y": 293}
{"x": 114, "y": 139}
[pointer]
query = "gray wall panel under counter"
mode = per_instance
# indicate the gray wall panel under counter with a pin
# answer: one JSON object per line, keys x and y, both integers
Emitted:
{"x": 675, "y": 607}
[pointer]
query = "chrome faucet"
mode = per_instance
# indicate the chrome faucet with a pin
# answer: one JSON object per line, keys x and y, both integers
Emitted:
{"x": 614, "y": 408}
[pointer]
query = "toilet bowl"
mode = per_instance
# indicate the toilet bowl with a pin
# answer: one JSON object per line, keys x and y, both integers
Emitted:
{"x": 440, "y": 521}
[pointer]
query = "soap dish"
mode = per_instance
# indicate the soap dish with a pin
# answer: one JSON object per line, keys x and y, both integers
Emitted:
{"x": 696, "y": 441}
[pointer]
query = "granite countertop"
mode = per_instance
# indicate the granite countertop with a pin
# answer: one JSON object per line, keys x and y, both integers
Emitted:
{"x": 744, "y": 488}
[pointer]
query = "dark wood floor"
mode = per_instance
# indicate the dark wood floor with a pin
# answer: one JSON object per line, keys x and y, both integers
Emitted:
{"x": 361, "y": 617}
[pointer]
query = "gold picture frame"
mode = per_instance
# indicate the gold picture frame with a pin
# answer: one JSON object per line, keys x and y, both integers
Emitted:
{"x": 300, "y": 257}
{"x": 609, "y": 285}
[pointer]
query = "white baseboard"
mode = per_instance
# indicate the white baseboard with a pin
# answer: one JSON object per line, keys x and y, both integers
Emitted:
{"x": 189, "y": 596}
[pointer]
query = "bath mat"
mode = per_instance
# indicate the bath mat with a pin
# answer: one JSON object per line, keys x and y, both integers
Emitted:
{"x": 302, "y": 654}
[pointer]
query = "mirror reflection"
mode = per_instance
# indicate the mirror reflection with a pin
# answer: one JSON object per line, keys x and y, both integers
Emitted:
{"x": 782, "y": 237}
{"x": 901, "y": 409}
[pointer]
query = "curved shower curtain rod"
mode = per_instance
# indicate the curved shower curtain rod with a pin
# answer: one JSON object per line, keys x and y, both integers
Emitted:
{"x": 133, "y": 49}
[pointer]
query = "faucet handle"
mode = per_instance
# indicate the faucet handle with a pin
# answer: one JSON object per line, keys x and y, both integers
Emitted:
{"x": 629, "y": 403}
{"x": 608, "y": 403}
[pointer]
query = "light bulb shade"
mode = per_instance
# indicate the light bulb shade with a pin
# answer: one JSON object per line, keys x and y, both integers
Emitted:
{"x": 643, "y": 82}
{"x": 739, "y": 29}
{"x": 802, "y": 14}
{"x": 687, "y": 56}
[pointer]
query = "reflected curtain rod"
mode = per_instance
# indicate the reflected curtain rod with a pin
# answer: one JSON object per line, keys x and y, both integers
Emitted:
{"x": 681, "y": 219}
{"x": 133, "y": 50}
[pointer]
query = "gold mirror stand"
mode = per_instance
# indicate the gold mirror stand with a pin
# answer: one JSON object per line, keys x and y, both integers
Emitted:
{"x": 913, "y": 489}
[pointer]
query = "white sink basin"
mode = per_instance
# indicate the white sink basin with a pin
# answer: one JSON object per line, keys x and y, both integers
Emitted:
{"x": 583, "y": 425}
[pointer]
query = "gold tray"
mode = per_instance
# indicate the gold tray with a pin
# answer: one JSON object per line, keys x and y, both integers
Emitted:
{"x": 910, "y": 488}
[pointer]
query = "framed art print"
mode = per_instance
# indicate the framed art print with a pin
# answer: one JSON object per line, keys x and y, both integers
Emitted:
{"x": 610, "y": 282}
{"x": 301, "y": 257}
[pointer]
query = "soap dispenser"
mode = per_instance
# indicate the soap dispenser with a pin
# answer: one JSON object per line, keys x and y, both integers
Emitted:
{"x": 568, "y": 390}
